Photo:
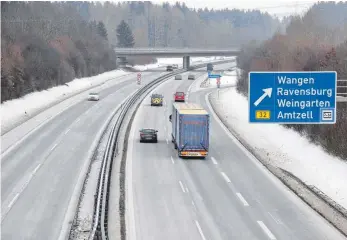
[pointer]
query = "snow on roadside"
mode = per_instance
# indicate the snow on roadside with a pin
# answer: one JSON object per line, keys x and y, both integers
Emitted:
{"x": 225, "y": 81}
{"x": 286, "y": 148}
{"x": 14, "y": 110}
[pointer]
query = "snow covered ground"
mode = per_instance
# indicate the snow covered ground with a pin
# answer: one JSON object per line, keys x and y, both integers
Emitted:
{"x": 283, "y": 147}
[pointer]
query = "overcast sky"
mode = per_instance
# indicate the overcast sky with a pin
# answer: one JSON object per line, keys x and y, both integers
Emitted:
{"x": 277, "y": 7}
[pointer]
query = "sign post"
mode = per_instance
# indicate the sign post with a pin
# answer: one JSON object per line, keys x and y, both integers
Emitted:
{"x": 139, "y": 79}
{"x": 218, "y": 82}
{"x": 292, "y": 97}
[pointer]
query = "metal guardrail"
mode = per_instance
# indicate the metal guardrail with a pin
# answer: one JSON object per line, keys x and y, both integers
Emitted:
{"x": 342, "y": 87}
{"x": 341, "y": 90}
{"x": 100, "y": 218}
{"x": 122, "y": 52}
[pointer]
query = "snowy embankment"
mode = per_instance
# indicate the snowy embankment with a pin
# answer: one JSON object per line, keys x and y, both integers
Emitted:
{"x": 17, "y": 111}
{"x": 284, "y": 148}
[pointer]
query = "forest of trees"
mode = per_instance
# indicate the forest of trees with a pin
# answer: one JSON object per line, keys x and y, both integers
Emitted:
{"x": 315, "y": 42}
{"x": 45, "y": 44}
{"x": 178, "y": 26}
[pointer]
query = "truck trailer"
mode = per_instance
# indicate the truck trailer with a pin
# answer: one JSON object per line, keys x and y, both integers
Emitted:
{"x": 190, "y": 130}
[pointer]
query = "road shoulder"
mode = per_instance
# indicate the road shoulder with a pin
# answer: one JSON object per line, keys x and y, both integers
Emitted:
{"x": 327, "y": 208}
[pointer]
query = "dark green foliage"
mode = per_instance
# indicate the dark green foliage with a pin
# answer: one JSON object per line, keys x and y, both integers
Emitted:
{"x": 102, "y": 30}
{"x": 124, "y": 35}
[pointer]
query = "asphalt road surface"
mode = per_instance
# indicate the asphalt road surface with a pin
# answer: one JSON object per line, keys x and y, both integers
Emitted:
{"x": 229, "y": 195}
{"x": 39, "y": 176}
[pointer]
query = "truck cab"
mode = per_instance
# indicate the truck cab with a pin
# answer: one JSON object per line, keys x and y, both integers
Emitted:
{"x": 209, "y": 67}
{"x": 179, "y": 97}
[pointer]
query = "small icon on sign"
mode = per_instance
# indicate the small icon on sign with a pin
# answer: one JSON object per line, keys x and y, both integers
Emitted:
{"x": 267, "y": 93}
{"x": 327, "y": 114}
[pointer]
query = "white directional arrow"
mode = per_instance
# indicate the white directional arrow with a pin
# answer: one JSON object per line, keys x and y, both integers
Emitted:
{"x": 267, "y": 93}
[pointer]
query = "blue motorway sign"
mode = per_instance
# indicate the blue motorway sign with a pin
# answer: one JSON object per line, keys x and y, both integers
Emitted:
{"x": 214, "y": 75}
{"x": 292, "y": 97}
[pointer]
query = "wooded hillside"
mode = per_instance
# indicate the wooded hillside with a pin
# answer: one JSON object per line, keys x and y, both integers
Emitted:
{"x": 46, "y": 44}
{"x": 178, "y": 26}
{"x": 315, "y": 42}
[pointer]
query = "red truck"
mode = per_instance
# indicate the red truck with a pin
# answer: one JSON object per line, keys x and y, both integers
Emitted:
{"x": 179, "y": 97}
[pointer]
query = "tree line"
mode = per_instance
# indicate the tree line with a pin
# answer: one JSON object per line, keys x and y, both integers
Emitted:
{"x": 177, "y": 25}
{"x": 315, "y": 42}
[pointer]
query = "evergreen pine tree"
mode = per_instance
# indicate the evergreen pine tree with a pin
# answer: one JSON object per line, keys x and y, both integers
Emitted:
{"x": 124, "y": 35}
{"x": 102, "y": 30}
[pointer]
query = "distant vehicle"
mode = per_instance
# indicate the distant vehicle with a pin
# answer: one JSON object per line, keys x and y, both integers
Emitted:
{"x": 169, "y": 68}
{"x": 178, "y": 77}
{"x": 157, "y": 99}
{"x": 175, "y": 66}
{"x": 190, "y": 130}
{"x": 179, "y": 97}
{"x": 93, "y": 97}
{"x": 148, "y": 135}
{"x": 209, "y": 67}
{"x": 191, "y": 77}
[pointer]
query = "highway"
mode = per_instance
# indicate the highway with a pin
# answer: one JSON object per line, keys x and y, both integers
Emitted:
{"x": 39, "y": 176}
{"x": 229, "y": 195}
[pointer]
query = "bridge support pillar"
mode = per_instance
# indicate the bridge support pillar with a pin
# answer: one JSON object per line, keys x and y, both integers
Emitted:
{"x": 121, "y": 60}
{"x": 186, "y": 62}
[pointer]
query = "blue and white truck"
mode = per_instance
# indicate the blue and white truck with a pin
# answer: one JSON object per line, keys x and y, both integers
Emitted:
{"x": 190, "y": 129}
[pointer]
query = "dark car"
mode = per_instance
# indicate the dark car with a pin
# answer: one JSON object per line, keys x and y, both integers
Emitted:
{"x": 191, "y": 77}
{"x": 148, "y": 135}
{"x": 169, "y": 68}
{"x": 209, "y": 67}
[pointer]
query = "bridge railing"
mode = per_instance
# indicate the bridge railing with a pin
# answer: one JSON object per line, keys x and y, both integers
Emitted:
{"x": 172, "y": 50}
{"x": 341, "y": 88}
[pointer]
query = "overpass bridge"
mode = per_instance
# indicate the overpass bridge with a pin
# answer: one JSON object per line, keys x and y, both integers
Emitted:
{"x": 186, "y": 53}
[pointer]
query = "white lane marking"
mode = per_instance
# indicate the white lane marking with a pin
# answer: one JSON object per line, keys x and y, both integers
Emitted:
{"x": 245, "y": 203}
{"x": 172, "y": 160}
{"x": 193, "y": 204}
{"x": 37, "y": 168}
{"x": 275, "y": 219}
{"x": 225, "y": 177}
{"x": 181, "y": 184}
{"x": 68, "y": 130}
{"x": 200, "y": 230}
{"x": 77, "y": 120}
{"x": 165, "y": 128}
{"x": 22, "y": 189}
{"x": 167, "y": 141}
{"x": 187, "y": 190}
{"x": 214, "y": 160}
{"x": 266, "y": 230}
{"x": 55, "y": 145}
{"x": 13, "y": 200}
